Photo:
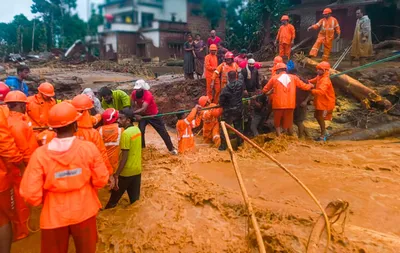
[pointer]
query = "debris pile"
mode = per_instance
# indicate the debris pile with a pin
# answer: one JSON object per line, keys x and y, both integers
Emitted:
{"x": 124, "y": 67}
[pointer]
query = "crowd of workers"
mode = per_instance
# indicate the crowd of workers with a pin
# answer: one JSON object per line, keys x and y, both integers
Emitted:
{"x": 57, "y": 154}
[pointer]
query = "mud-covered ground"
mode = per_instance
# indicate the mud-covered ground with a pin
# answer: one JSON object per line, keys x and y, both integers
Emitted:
{"x": 193, "y": 203}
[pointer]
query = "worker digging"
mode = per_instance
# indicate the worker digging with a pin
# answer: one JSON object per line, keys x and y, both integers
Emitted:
{"x": 139, "y": 161}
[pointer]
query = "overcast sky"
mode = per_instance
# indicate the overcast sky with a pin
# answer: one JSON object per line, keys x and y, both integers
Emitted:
{"x": 14, "y": 7}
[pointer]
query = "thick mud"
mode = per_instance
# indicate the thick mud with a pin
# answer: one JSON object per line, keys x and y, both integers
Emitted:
{"x": 193, "y": 203}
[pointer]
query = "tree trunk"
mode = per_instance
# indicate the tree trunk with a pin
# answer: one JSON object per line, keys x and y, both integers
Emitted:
{"x": 379, "y": 132}
{"x": 348, "y": 84}
{"x": 267, "y": 29}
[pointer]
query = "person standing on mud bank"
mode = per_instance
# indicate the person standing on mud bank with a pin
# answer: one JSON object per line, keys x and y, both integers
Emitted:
{"x": 285, "y": 37}
{"x": 231, "y": 102}
{"x": 39, "y": 105}
{"x": 17, "y": 82}
{"x": 220, "y": 76}
{"x": 211, "y": 64}
{"x": 324, "y": 97}
{"x": 362, "y": 40}
{"x": 9, "y": 156}
{"x": 64, "y": 177}
{"x": 184, "y": 130}
{"x": 143, "y": 104}
{"x": 284, "y": 97}
{"x": 221, "y": 52}
{"x": 116, "y": 99}
{"x": 188, "y": 57}
{"x": 200, "y": 52}
{"x": 128, "y": 175}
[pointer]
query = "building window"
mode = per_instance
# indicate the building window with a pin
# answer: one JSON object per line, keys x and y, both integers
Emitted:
{"x": 130, "y": 18}
{"x": 147, "y": 19}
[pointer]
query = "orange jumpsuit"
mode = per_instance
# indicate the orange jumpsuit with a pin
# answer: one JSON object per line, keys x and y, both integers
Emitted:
{"x": 284, "y": 97}
{"x": 326, "y": 35}
{"x": 324, "y": 95}
{"x": 45, "y": 136}
{"x": 9, "y": 155}
{"x": 185, "y": 133}
{"x": 221, "y": 74}
{"x": 211, "y": 64}
{"x": 88, "y": 133}
{"x": 38, "y": 110}
{"x": 65, "y": 180}
{"x": 26, "y": 143}
{"x": 111, "y": 135}
{"x": 210, "y": 126}
{"x": 286, "y": 35}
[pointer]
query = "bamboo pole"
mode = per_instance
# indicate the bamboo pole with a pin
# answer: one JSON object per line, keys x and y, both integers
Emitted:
{"x": 244, "y": 191}
{"x": 328, "y": 228}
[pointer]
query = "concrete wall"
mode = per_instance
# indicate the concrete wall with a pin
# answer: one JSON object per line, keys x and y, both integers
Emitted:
{"x": 170, "y": 6}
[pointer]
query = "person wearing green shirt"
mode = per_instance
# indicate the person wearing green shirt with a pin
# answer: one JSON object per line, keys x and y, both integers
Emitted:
{"x": 128, "y": 174}
{"x": 116, "y": 99}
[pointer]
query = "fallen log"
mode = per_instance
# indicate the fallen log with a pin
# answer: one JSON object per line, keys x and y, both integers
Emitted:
{"x": 378, "y": 132}
{"x": 387, "y": 43}
{"x": 348, "y": 84}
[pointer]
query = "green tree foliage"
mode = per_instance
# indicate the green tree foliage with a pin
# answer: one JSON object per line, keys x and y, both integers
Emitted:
{"x": 212, "y": 11}
{"x": 252, "y": 23}
{"x": 95, "y": 20}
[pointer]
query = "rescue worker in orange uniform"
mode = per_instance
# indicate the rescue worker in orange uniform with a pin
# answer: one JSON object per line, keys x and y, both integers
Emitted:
{"x": 84, "y": 104}
{"x": 328, "y": 26}
{"x": 285, "y": 37}
{"x": 184, "y": 130}
{"x": 4, "y": 89}
{"x": 210, "y": 121}
{"x": 9, "y": 157}
{"x": 39, "y": 105}
{"x": 284, "y": 97}
{"x": 211, "y": 64}
{"x": 25, "y": 141}
{"x": 111, "y": 134}
{"x": 324, "y": 97}
{"x": 277, "y": 59}
{"x": 64, "y": 177}
{"x": 220, "y": 76}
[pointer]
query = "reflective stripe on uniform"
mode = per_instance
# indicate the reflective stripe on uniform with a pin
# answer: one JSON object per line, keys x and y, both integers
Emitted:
{"x": 114, "y": 143}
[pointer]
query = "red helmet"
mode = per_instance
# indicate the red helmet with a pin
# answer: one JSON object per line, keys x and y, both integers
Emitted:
{"x": 281, "y": 66}
{"x": 327, "y": 11}
{"x": 278, "y": 59}
{"x": 324, "y": 65}
{"x": 110, "y": 116}
{"x": 4, "y": 89}
{"x": 285, "y": 17}
{"x": 229, "y": 55}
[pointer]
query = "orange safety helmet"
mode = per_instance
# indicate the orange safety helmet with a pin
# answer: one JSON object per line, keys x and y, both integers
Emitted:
{"x": 217, "y": 112}
{"x": 281, "y": 66}
{"x": 229, "y": 55}
{"x": 16, "y": 96}
{"x": 63, "y": 114}
{"x": 213, "y": 47}
{"x": 110, "y": 116}
{"x": 4, "y": 89}
{"x": 327, "y": 11}
{"x": 46, "y": 89}
{"x": 285, "y": 17}
{"x": 82, "y": 102}
{"x": 278, "y": 59}
{"x": 324, "y": 65}
{"x": 203, "y": 101}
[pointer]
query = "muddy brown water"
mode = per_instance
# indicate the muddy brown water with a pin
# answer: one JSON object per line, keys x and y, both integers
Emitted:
{"x": 192, "y": 203}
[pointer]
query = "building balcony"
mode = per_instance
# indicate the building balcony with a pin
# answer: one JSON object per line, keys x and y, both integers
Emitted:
{"x": 167, "y": 26}
{"x": 117, "y": 27}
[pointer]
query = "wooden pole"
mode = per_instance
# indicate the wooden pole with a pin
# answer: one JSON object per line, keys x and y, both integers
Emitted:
{"x": 244, "y": 191}
{"x": 328, "y": 227}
